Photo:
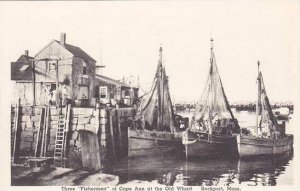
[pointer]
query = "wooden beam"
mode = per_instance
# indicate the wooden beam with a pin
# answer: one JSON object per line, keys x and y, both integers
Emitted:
{"x": 38, "y": 136}
{"x": 33, "y": 82}
{"x": 57, "y": 84}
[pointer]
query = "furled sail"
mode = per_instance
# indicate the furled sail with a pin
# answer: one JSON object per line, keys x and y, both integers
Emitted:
{"x": 213, "y": 105}
{"x": 155, "y": 110}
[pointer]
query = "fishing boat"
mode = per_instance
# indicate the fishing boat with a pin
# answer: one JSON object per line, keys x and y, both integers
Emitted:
{"x": 269, "y": 137}
{"x": 213, "y": 127}
{"x": 154, "y": 129}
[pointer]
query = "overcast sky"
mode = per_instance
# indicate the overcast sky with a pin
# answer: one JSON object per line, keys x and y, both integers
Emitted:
{"x": 130, "y": 34}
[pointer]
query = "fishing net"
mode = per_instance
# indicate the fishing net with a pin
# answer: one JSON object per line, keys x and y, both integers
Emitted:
{"x": 213, "y": 105}
{"x": 155, "y": 110}
{"x": 264, "y": 108}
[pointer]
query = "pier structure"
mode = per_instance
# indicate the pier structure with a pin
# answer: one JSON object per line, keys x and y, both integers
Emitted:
{"x": 92, "y": 136}
{"x": 63, "y": 111}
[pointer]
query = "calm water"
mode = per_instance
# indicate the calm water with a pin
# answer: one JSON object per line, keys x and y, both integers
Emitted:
{"x": 175, "y": 170}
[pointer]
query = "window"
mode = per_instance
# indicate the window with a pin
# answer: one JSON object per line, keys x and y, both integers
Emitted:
{"x": 103, "y": 91}
{"x": 51, "y": 66}
{"x": 24, "y": 67}
{"x": 83, "y": 92}
{"x": 84, "y": 68}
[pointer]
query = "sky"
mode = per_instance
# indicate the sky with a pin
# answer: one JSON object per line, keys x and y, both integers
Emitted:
{"x": 130, "y": 34}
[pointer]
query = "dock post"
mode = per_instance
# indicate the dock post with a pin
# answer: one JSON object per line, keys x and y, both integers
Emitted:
{"x": 112, "y": 134}
{"x": 17, "y": 133}
{"x": 39, "y": 135}
{"x": 46, "y": 121}
{"x": 120, "y": 131}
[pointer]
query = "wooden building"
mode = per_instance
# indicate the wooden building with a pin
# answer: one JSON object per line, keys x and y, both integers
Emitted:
{"x": 73, "y": 71}
{"x": 62, "y": 64}
{"x": 21, "y": 78}
{"x": 114, "y": 92}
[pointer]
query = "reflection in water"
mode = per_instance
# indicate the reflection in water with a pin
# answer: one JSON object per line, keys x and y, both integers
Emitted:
{"x": 174, "y": 171}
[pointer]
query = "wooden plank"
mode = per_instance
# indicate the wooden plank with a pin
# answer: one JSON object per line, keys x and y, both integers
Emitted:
{"x": 40, "y": 130}
{"x": 43, "y": 117}
{"x": 90, "y": 150}
{"x": 46, "y": 121}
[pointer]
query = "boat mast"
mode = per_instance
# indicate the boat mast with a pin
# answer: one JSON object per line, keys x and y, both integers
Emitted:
{"x": 210, "y": 92}
{"x": 258, "y": 102}
{"x": 159, "y": 76}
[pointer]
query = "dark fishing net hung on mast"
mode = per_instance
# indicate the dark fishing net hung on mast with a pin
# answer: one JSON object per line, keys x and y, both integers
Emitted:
{"x": 155, "y": 110}
{"x": 213, "y": 103}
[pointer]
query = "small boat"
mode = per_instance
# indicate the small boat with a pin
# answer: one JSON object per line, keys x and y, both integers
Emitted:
{"x": 154, "y": 129}
{"x": 213, "y": 127}
{"x": 269, "y": 137}
{"x": 282, "y": 113}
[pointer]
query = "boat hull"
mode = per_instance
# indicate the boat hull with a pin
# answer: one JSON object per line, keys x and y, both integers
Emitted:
{"x": 249, "y": 146}
{"x": 147, "y": 143}
{"x": 203, "y": 146}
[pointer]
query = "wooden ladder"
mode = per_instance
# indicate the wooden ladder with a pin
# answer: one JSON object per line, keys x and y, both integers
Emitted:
{"x": 61, "y": 138}
{"x": 59, "y": 142}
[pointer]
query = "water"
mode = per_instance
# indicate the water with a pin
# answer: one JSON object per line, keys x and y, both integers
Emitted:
{"x": 175, "y": 170}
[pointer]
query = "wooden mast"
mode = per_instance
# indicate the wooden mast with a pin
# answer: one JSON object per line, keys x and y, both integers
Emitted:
{"x": 210, "y": 94}
{"x": 258, "y": 102}
{"x": 159, "y": 76}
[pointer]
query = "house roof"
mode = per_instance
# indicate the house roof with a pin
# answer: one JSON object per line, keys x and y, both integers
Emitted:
{"x": 21, "y": 69}
{"x": 112, "y": 81}
{"x": 77, "y": 52}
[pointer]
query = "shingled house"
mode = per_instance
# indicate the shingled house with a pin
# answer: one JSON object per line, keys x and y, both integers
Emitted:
{"x": 75, "y": 73}
{"x": 62, "y": 63}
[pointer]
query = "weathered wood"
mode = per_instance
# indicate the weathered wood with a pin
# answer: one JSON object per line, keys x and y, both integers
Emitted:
{"x": 43, "y": 120}
{"x": 67, "y": 122}
{"x": 90, "y": 150}
{"x": 57, "y": 84}
{"x": 250, "y": 146}
{"x": 46, "y": 121}
{"x": 112, "y": 135}
{"x": 17, "y": 134}
{"x": 39, "y": 133}
{"x": 119, "y": 130}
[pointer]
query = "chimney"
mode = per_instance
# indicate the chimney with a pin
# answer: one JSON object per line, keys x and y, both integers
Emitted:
{"x": 26, "y": 53}
{"x": 63, "y": 39}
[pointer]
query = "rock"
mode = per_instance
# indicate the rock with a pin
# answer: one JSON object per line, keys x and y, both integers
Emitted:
{"x": 25, "y": 118}
{"x": 100, "y": 179}
{"x": 74, "y": 121}
{"x": 35, "y": 118}
{"x": 83, "y": 121}
{"x": 82, "y": 111}
{"x": 142, "y": 182}
{"x": 74, "y": 135}
{"x": 54, "y": 117}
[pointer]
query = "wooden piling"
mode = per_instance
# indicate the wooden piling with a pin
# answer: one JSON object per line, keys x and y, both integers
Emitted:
{"x": 46, "y": 122}
{"x": 120, "y": 131}
{"x": 39, "y": 134}
{"x": 112, "y": 134}
{"x": 42, "y": 122}
{"x": 17, "y": 133}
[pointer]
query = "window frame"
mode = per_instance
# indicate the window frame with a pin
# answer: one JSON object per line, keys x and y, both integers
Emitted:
{"x": 101, "y": 93}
